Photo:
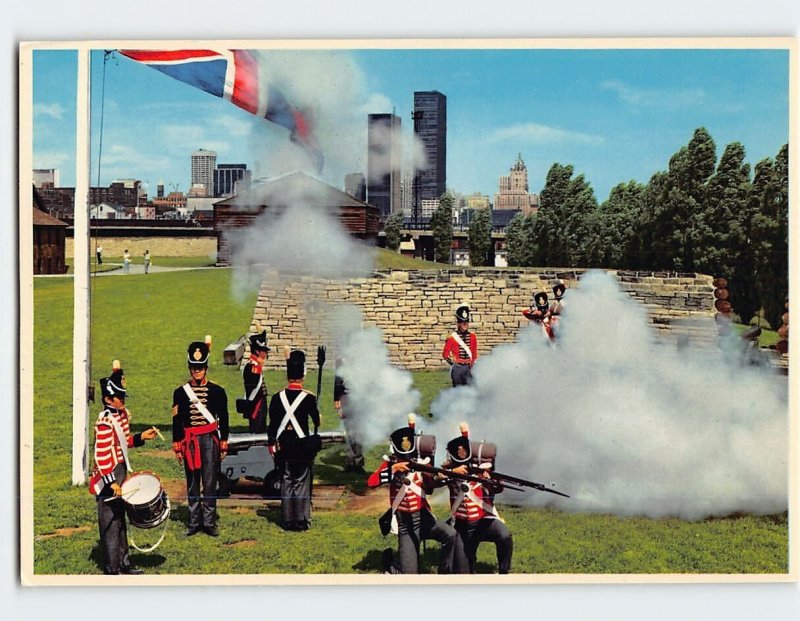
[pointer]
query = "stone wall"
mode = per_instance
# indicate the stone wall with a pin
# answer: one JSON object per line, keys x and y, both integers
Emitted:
{"x": 415, "y": 309}
{"x": 158, "y": 246}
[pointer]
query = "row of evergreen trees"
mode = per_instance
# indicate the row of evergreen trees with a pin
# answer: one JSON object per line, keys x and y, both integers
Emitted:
{"x": 697, "y": 216}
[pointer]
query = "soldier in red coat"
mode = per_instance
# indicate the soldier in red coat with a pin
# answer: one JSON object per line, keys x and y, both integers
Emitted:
{"x": 410, "y": 515}
{"x": 113, "y": 438}
{"x": 539, "y": 313}
{"x": 255, "y": 389}
{"x": 461, "y": 349}
{"x": 472, "y": 508}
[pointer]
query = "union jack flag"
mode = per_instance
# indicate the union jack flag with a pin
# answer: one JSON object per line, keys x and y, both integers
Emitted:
{"x": 233, "y": 76}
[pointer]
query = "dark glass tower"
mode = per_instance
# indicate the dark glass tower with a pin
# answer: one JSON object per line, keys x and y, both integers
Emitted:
{"x": 431, "y": 127}
{"x": 383, "y": 163}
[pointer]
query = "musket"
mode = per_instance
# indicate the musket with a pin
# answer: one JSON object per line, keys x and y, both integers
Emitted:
{"x": 454, "y": 475}
{"x": 320, "y": 364}
{"x": 511, "y": 479}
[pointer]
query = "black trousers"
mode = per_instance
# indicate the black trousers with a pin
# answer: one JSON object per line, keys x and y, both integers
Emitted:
{"x": 412, "y": 529}
{"x": 203, "y": 506}
{"x": 471, "y": 534}
{"x": 461, "y": 374}
{"x": 112, "y": 523}
{"x": 296, "y": 492}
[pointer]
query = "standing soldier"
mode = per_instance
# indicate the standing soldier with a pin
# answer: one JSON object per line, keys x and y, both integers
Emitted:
{"x": 354, "y": 457}
{"x": 410, "y": 515}
{"x": 472, "y": 507}
{"x": 292, "y": 445}
{"x": 461, "y": 349}
{"x": 112, "y": 440}
{"x": 200, "y": 437}
{"x": 255, "y": 389}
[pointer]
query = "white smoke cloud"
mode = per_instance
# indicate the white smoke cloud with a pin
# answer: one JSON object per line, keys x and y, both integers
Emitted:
{"x": 379, "y": 394}
{"x": 299, "y": 234}
{"x": 623, "y": 424}
{"x": 334, "y": 91}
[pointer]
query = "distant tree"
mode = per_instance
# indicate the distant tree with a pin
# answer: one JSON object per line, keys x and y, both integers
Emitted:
{"x": 394, "y": 224}
{"x": 480, "y": 237}
{"x": 548, "y": 231}
{"x": 724, "y": 248}
{"x": 442, "y": 229}
{"x": 579, "y": 219}
{"x": 771, "y": 234}
{"x": 678, "y": 220}
{"x": 515, "y": 241}
{"x": 619, "y": 231}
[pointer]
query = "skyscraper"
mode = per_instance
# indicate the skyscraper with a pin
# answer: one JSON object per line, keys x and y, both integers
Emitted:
{"x": 203, "y": 164}
{"x": 430, "y": 125}
{"x": 513, "y": 192}
{"x": 383, "y": 163}
{"x": 356, "y": 186}
{"x": 227, "y": 175}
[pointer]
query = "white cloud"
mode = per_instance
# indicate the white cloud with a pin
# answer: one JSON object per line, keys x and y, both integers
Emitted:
{"x": 535, "y": 133}
{"x": 655, "y": 97}
{"x": 51, "y": 159}
{"x": 53, "y": 111}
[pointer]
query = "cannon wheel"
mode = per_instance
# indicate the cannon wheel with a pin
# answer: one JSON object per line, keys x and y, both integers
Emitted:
{"x": 225, "y": 485}
{"x": 272, "y": 484}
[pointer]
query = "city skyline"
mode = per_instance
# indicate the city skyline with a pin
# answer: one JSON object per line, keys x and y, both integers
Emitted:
{"x": 614, "y": 115}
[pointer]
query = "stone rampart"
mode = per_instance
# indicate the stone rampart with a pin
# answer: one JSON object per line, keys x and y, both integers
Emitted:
{"x": 414, "y": 309}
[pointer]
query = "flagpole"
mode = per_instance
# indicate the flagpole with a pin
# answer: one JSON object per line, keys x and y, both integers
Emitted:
{"x": 81, "y": 312}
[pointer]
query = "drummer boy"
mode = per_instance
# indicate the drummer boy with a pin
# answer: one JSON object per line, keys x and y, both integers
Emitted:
{"x": 113, "y": 438}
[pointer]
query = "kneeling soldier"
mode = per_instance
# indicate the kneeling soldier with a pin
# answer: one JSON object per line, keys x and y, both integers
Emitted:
{"x": 410, "y": 515}
{"x": 472, "y": 507}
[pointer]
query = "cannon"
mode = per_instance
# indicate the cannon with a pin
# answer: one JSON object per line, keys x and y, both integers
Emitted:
{"x": 248, "y": 457}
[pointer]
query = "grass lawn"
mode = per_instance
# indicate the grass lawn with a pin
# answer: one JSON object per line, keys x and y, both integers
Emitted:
{"x": 387, "y": 259}
{"x": 147, "y": 324}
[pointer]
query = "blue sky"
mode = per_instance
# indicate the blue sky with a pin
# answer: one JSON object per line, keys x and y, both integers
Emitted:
{"x": 615, "y": 115}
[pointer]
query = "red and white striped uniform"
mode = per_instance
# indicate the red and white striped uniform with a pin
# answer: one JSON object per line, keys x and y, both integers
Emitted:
{"x": 107, "y": 449}
{"x": 414, "y": 499}
{"x": 468, "y": 509}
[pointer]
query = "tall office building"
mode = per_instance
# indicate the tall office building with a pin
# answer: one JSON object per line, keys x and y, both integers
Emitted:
{"x": 160, "y": 190}
{"x": 226, "y": 176}
{"x": 430, "y": 125}
{"x": 356, "y": 186}
{"x": 514, "y": 193}
{"x": 203, "y": 164}
{"x": 383, "y": 163}
{"x": 43, "y": 176}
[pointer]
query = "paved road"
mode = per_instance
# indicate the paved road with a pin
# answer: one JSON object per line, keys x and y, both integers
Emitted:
{"x": 134, "y": 269}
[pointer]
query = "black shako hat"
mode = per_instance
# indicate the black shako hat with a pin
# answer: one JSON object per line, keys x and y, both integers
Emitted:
{"x": 540, "y": 300}
{"x": 459, "y": 449}
{"x": 197, "y": 354}
{"x": 296, "y": 365}
{"x": 258, "y": 342}
{"x": 403, "y": 442}
{"x": 558, "y": 290}
{"x": 114, "y": 385}
{"x": 462, "y": 314}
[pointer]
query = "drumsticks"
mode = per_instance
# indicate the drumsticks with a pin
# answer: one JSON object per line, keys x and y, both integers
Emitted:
{"x": 158, "y": 433}
{"x": 133, "y": 491}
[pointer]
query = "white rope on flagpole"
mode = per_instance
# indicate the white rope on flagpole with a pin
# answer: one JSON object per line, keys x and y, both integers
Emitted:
{"x": 80, "y": 338}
